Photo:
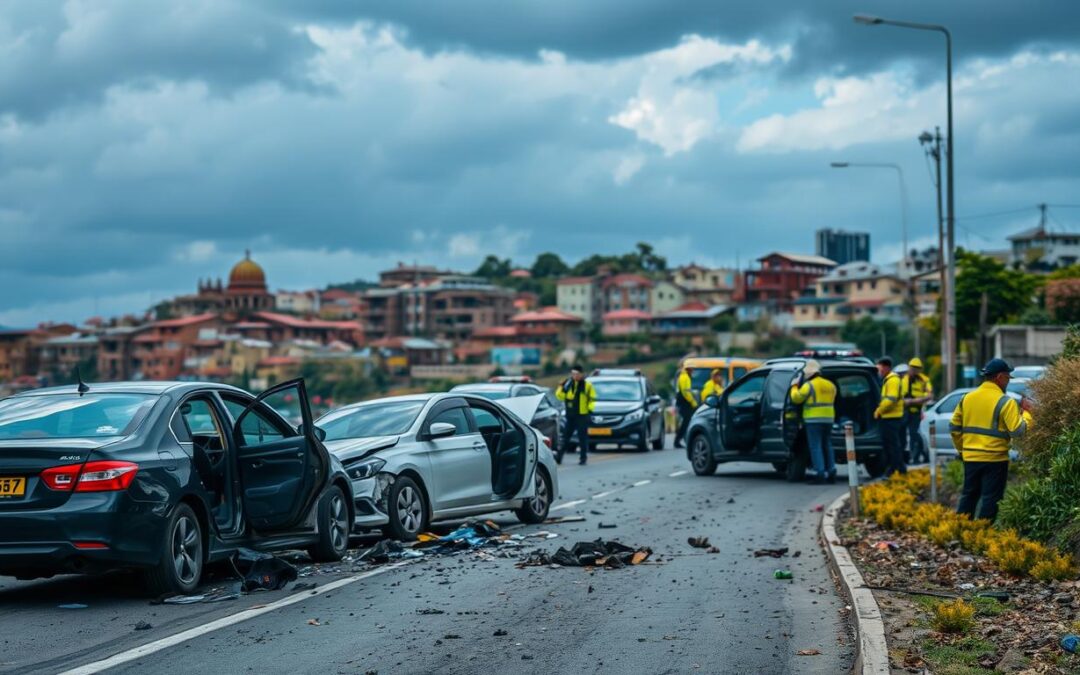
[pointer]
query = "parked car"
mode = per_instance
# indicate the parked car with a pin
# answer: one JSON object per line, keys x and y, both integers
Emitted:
{"x": 733, "y": 368}
{"x": 549, "y": 415}
{"x": 417, "y": 459}
{"x": 1028, "y": 372}
{"x": 628, "y": 412}
{"x": 939, "y": 414}
{"x": 163, "y": 477}
{"x": 755, "y": 421}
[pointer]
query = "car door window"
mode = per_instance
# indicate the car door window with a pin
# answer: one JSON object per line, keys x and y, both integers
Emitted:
{"x": 737, "y": 372}
{"x": 198, "y": 419}
{"x": 486, "y": 421}
{"x": 949, "y": 405}
{"x": 749, "y": 391}
{"x": 258, "y": 427}
{"x": 777, "y": 385}
{"x": 455, "y": 416}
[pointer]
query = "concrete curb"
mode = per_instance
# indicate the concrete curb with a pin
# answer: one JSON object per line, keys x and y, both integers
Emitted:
{"x": 871, "y": 650}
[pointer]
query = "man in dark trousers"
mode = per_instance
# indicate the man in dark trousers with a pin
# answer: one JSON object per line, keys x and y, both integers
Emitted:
{"x": 580, "y": 399}
{"x": 685, "y": 403}
{"x": 890, "y": 417}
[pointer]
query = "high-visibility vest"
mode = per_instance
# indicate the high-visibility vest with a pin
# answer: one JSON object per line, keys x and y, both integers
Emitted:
{"x": 817, "y": 396}
{"x": 985, "y": 423}
{"x": 686, "y": 389}
{"x": 711, "y": 389}
{"x": 917, "y": 387}
{"x": 586, "y": 396}
{"x": 892, "y": 405}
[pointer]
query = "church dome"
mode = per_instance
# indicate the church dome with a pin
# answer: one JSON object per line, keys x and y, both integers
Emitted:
{"x": 247, "y": 274}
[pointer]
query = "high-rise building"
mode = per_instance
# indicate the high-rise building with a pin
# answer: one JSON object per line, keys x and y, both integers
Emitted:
{"x": 843, "y": 247}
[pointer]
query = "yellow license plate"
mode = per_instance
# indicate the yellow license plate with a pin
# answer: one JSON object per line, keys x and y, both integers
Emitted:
{"x": 12, "y": 487}
{"x": 599, "y": 431}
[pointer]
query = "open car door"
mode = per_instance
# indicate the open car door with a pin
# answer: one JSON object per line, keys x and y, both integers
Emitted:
{"x": 740, "y": 414}
{"x": 282, "y": 469}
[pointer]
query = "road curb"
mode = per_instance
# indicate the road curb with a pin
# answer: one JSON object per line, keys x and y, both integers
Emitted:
{"x": 871, "y": 650}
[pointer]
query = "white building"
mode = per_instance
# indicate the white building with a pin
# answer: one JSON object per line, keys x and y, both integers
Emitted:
{"x": 1038, "y": 249}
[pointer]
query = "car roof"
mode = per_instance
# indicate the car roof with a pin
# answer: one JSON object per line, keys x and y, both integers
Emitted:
{"x": 719, "y": 361}
{"x": 825, "y": 363}
{"x": 153, "y": 387}
{"x": 487, "y": 386}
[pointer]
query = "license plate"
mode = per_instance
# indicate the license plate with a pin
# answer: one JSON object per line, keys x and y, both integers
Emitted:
{"x": 12, "y": 487}
{"x": 599, "y": 431}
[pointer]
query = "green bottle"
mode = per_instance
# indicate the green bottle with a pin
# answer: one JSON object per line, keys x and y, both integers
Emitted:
{"x": 782, "y": 574}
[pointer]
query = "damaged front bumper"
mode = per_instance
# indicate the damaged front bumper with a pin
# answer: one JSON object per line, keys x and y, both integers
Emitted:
{"x": 369, "y": 497}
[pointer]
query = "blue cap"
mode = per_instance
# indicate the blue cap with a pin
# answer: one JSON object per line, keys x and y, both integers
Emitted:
{"x": 996, "y": 367}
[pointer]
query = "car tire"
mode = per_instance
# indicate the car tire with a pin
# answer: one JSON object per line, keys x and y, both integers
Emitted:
{"x": 701, "y": 455}
{"x": 408, "y": 510}
{"x": 795, "y": 471}
{"x": 661, "y": 440}
{"x": 535, "y": 510}
{"x": 182, "y": 559}
{"x": 875, "y": 466}
{"x": 643, "y": 444}
{"x": 334, "y": 527}
{"x": 781, "y": 467}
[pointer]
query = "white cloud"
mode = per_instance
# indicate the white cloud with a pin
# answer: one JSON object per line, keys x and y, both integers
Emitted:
{"x": 196, "y": 252}
{"x": 627, "y": 168}
{"x": 464, "y": 246}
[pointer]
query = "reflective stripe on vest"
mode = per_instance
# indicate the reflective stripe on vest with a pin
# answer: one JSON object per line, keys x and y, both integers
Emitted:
{"x": 995, "y": 422}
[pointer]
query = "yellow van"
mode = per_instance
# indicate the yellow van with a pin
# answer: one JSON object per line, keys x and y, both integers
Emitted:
{"x": 733, "y": 368}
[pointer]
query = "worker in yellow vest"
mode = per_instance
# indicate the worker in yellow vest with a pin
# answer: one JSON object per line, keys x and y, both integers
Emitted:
{"x": 918, "y": 391}
{"x": 817, "y": 396}
{"x": 983, "y": 426}
{"x": 890, "y": 416}
{"x": 580, "y": 398}
{"x": 686, "y": 403}
{"x": 715, "y": 385}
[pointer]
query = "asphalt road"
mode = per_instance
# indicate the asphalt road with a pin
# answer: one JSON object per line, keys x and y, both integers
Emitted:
{"x": 685, "y": 611}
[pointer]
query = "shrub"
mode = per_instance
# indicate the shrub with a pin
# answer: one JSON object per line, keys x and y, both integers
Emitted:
{"x": 1055, "y": 568}
{"x": 955, "y": 616}
{"x": 1043, "y": 506}
{"x": 1058, "y": 399}
{"x": 954, "y": 474}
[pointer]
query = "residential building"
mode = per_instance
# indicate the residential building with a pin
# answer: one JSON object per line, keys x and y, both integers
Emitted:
{"x": 400, "y": 353}
{"x": 411, "y": 275}
{"x": 1040, "y": 250}
{"x": 298, "y": 302}
{"x": 625, "y": 322}
{"x": 18, "y": 353}
{"x": 842, "y": 247}
{"x": 781, "y": 278}
{"x": 447, "y": 307}
{"x": 1027, "y": 345}
{"x": 850, "y": 291}
{"x": 276, "y": 327}
{"x": 580, "y": 296}
{"x": 693, "y": 318}
{"x": 62, "y": 354}
{"x": 159, "y": 351}
{"x": 548, "y": 326}
{"x": 665, "y": 296}
{"x": 625, "y": 291}
{"x": 116, "y": 351}
{"x": 707, "y": 285}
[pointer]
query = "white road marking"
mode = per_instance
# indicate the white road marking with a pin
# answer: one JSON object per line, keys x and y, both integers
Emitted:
{"x": 677, "y": 474}
{"x": 640, "y": 483}
{"x": 601, "y": 495}
{"x": 224, "y": 622}
{"x": 568, "y": 505}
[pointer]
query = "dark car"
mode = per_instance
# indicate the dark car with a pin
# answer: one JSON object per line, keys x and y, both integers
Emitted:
{"x": 628, "y": 412}
{"x": 163, "y": 477}
{"x": 754, "y": 420}
{"x": 549, "y": 418}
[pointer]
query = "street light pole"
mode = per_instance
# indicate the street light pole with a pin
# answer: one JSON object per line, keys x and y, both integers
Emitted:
{"x": 950, "y": 234}
{"x": 903, "y": 226}
{"x": 933, "y": 143}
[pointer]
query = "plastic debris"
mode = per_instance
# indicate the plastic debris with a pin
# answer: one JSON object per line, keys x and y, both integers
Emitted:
{"x": 599, "y": 553}
{"x": 313, "y": 622}
{"x": 558, "y": 520}
{"x": 886, "y": 546}
{"x": 819, "y": 508}
{"x": 771, "y": 552}
{"x": 262, "y": 571}
{"x": 184, "y": 599}
{"x": 808, "y": 652}
{"x": 782, "y": 574}
{"x": 1000, "y": 596}
{"x": 698, "y": 542}
{"x": 142, "y": 625}
{"x": 608, "y": 526}
{"x": 1070, "y": 642}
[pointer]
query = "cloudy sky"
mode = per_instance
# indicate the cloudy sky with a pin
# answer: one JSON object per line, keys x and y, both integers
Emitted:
{"x": 147, "y": 143}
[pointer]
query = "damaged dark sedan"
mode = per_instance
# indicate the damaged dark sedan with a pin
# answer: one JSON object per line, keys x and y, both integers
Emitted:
{"x": 163, "y": 477}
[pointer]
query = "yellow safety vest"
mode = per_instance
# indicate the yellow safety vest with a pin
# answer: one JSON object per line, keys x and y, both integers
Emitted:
{"x": 891, "y": 406}
{"x": 985, "y": 423}
{"x": 686, "y": 389}
{"x": 917, "y": 388}
{"x": 817, "y": 397}
{"x": 711, "y": 389}
{"x": 586, "y": 400}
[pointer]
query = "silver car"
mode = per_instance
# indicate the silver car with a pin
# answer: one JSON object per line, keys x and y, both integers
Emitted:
{"x": 417, "y": 459}
{"x": 940, "y": 413}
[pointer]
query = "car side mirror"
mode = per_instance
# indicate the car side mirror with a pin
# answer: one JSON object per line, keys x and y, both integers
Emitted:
{"x": 441, "y": 430}
{"x": 712, "y": 400}
{"x": 320, "y": 433}
{"x": 653, "y": 399}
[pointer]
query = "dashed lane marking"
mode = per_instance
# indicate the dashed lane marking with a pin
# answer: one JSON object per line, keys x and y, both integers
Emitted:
{"x": 601, "y": 495}
{"x": 677, "y": 474}
{"x": 568, "y": 505}
{"x": 640, "y": 483}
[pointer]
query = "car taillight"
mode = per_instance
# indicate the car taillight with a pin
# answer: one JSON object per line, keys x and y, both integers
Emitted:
{"x": 100, "y": 476}
{"x": 547, "y": 442}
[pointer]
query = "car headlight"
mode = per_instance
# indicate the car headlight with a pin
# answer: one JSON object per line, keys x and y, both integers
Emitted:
{"x": 636, "y": 416}
{"x": 365, "y": 469}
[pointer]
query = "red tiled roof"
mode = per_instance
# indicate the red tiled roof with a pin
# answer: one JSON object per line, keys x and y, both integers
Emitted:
{"x": 620, "y": 279}
{"x": 567, "y": 281}
{"x": 337, "y": 294}
{"x": 626, "y": 314}
{"x": 496, "y": 331}
{"x": 691, "y": 307}
{"x": 245, "y": 325}
{"x": 546, "y": 314}
{"x": 185, "y": 320}
{"x": 866, "y": 303}
{"x": 297, "y": 322}
{"x": 278, "y": 361}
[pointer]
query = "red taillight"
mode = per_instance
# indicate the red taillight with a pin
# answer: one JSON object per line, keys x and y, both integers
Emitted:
{"x": 101, "y": 476}
{"x": 90, "y": 545}
{"x": 547, "y": 441}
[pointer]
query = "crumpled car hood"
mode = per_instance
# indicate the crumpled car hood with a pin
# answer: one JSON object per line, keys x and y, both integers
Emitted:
{"x": 355, "y": 448}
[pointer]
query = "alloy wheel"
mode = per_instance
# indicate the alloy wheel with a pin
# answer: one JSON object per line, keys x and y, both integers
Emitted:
{"x": 410, "y": 509}
{"x": 700, "y": 454}
{"x": 539, "y": 502}
{"x": 339, "y": 523}
{"x": 186, "y": 550}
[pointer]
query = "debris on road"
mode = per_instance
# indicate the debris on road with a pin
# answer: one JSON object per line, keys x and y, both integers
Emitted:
{"x": 771, "y": 552}
{"x": 430, "y": 610}
{"x": 599, "y": 553}
{"x": 313, "y": 622}
{"x": 808, "y": 652}
{"x": 142, "y": 625}
{"x": 608, "y": 526}
{"x": 782, "y": 574}
{"x": 262, "y": 571}
{"x": 1070, "y": 642}
{"x": 887, "y": 546}
{"x": 559, "y": 520}
{"x": 699, "y": 542}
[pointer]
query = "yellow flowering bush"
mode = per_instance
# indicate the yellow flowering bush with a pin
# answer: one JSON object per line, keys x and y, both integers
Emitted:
{"x": 894, "y": 504}
{"x": 955, "y": 616}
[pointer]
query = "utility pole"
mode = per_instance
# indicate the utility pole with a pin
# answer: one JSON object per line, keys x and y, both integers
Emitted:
{"x": 933, "y": 149}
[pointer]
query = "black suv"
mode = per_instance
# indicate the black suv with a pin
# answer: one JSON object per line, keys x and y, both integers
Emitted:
{"x": 754, "y": 420}
{"x": 628, "y": 411}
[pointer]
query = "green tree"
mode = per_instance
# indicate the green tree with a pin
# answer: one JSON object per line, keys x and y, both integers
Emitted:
{"x": 549, "y": 265}
{"x": 494, "y": 268}
{"x": 867, "y": 333}
{"x": 1009, "y": 293}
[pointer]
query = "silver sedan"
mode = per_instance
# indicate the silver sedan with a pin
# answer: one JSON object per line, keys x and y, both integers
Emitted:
{"x": 418, "y": 459}
{"x": 940, "y": 415}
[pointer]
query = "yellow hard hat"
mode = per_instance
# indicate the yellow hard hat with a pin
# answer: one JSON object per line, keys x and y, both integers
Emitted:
{"x": 915, "y": 363}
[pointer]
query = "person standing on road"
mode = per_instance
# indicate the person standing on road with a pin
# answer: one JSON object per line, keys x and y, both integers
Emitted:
{"x": 580, "y": 398}
{"x": 685, "y": 402}
{"x": 982, "y": 428}
{"x": 890, "y": 416}
{"x": 817, "y": 396}
{"x": 917, "y": 393}
{"x": 715, "y": 385}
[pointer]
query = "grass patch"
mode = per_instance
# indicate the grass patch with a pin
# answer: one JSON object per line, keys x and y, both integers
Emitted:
{"x": 958, "y": 658}
{"x": 989, "y": 607}
{"x": 954, "y": 616}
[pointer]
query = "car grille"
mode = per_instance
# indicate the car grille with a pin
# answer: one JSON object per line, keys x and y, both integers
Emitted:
{"x": 606, "y": 419}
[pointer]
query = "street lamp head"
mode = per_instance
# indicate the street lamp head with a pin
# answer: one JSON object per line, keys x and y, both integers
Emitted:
{"x": 925, "y": 138}
{"x": 867, "y": 20}
{"x": 840, "y": 165}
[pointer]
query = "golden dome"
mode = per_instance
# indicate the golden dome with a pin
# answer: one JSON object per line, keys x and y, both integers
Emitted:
{"x": 247, "y": 274}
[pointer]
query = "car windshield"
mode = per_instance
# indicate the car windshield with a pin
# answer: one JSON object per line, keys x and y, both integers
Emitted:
{"x": 373, "y": 419}
{"x": 73, "y": 416}
{"x": 699, "y": 376}
{"x": 1028, "y": 372}
{"x": 617, "y": 390}
{"x": 491, "y": 394}
{"x": 1019, "y": 387}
